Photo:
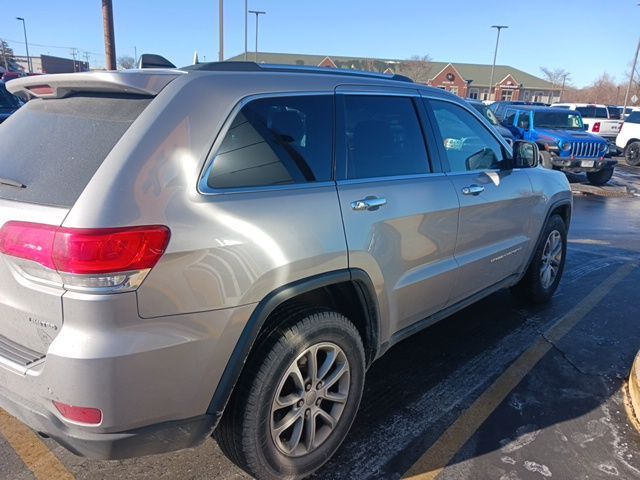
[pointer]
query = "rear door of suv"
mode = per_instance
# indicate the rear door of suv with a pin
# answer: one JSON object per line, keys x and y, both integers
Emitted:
{"x": 496, "y": 202}
{"x": 400, "y": 211}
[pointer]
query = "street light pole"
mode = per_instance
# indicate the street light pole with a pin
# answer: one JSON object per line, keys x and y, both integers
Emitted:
{"x": 26, "y": 43}
{"x": 221, "y": 28}
{"x": 495, "y": 54}
{"x": 246, "y": 15}
{"x": 257, "y": 13}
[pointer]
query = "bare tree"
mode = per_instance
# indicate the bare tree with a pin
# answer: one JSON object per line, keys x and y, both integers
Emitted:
{"x": 126, "y": 62}
{"x": 418, "y": 68}
{"x": 555, "y": 76}
{"x": 559, "y": 77}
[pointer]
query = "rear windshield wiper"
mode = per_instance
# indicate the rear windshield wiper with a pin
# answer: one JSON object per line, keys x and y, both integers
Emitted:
{"x": 11, "y": 183}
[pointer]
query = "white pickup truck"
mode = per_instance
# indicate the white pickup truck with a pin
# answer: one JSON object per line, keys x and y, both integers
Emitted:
{"x": 597, "y": 119}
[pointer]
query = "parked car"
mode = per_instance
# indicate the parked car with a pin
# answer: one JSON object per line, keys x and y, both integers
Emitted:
{"x": 499, "y": 108}
{"x": 563, "y": 142}
{"x": 598, "y": 119}
{"x": 486, "y": 112}
{"x": 628, "y": 140}
{"x": 8, "y": 103}
{"x": 203, "y": 264}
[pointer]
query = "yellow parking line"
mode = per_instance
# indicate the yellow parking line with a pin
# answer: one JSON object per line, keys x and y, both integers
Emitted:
{"x": 434, "y": 460}
{"x": 31, "y": 450}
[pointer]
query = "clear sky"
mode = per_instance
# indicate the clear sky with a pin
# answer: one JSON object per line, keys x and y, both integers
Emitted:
{"x": 585, "y": 37}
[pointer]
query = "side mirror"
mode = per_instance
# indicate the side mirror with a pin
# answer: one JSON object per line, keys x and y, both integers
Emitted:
{"x": 585, "y": 127}
{"x": 525, "y": 154}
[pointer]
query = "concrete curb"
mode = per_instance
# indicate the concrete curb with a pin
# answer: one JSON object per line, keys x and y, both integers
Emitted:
{"x": 634, "y": 389}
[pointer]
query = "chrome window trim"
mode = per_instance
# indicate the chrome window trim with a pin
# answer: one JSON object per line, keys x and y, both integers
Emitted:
{"x": 202, "y": 186}
{"x": 390, "y": 178}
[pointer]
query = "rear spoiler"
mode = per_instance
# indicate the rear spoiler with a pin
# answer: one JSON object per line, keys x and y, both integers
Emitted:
{"x": 148, "y": 82}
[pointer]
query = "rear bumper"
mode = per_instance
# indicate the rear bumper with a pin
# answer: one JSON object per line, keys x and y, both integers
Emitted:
{"x": 159, "y": 438}
{"x": 152, "y": 379}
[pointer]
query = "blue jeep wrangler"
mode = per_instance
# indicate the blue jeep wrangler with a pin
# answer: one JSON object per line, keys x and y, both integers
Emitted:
{"x": 562, "y": 140}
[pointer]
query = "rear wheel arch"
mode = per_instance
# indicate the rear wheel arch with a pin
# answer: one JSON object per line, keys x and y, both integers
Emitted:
{"x": 631, "y": 140}
{"x": 349, "y": 292}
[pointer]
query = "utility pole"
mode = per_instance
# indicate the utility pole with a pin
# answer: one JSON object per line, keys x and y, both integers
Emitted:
{"x": 221, "y": 25}
{"x": 633, "y": 70}
{"x": 26, "y": 43}
{"x": 4, "y": 56}
{"x": 73, "y": 54}
{"x": 135, "y": 56}
{"x": 495, "y": 54}
{"x": 257, "y": 13}
{"x": 564, "y": 79}
{"x": 246, "y": 15}
{"x": 86, "y": 59}
{"x": 109, "y": 36}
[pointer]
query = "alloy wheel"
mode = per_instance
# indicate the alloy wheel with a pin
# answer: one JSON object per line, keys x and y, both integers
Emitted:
{"x": 551, "y": 259}
{"x": 310, "y": 399}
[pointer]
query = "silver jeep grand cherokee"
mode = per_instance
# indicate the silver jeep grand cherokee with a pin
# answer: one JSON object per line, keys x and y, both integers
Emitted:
{"x": 226, "y": 248}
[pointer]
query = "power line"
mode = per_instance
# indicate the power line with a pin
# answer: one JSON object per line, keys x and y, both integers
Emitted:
{"x": 21, "y": 42}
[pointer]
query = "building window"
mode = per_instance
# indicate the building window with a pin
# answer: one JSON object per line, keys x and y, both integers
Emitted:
{"x": 527, "y": 95}
{"x": 485, "y": 94}
{"x": 442, "y": 87}
{"x": 453, "y": 89}
{"x": 537, "y": 97}
{"x": 506, "y": 95}
{"x": 474, "y": 93}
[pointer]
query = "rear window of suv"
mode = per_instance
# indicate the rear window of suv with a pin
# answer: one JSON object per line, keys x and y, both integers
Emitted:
{"x": 55, "y": 146}
{"x": 591, "y": 111}
{"x": 634, "y": 117}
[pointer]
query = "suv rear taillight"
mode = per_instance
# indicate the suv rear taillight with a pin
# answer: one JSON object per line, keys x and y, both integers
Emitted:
{"x": 85, "y": 258}
{"x": 596, "y": 127}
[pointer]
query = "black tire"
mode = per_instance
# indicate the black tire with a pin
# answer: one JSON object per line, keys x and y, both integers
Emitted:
{"x": 245, "y": 431}
{"x": 531, "y": 288}
{"x": 632, "y": 153}
{"x": 545, "y": 159}
{"x": 600, "y": 177}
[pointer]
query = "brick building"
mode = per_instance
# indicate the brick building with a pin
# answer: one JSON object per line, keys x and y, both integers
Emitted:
{"x": 467, "y": 80}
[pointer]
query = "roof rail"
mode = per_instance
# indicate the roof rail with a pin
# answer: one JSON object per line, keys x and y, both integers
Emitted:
{"x": 268, "y": 67}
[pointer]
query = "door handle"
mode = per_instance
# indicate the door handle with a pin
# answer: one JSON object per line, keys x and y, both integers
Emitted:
{"x": 369, "y": 203}
{"x": 473, "y": 190}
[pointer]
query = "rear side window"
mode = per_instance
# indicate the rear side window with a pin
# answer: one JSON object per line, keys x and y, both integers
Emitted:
{"x": 634, "y": 117}
{"x": 382, "y": 137}
{"x": 55, "y": 146}
{"x": 276, "y": 141}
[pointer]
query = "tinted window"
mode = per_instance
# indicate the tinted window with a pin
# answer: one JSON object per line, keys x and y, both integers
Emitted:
{"x": 468, "y": 144}
{"x": 566, "y": 120}
{"x": 614, "y": 112}
{"x": 634, "y": 117}
{"x": 523, "y": 120}
{"x": 510, "y": 117}
{"x": 591, "y": 111}
{"x": 7, "y": 101}
{"x": 276, "y": 141}
{"x": 382, "y": 137}
{"x": 55, "y": 146}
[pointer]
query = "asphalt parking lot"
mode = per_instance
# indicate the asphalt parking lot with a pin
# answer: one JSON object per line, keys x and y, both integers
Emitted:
{"x": 498, "y": 391}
